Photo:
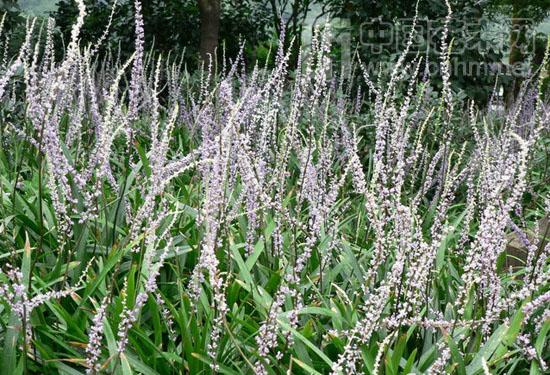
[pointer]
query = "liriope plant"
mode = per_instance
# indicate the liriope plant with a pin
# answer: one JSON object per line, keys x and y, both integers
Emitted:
{"x": 263, "y": 222}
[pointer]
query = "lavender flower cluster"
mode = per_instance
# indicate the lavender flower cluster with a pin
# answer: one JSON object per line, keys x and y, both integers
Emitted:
{"x": 281, "y": 168}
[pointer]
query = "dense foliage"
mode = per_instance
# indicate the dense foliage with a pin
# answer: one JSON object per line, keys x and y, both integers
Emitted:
{"x": 479, "y": 31}
{"x": 170, "y": 25}
{"x": 262, "y": 222}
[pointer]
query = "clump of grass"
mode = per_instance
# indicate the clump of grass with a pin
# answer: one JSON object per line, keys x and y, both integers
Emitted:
{"x": 252, "y": 223}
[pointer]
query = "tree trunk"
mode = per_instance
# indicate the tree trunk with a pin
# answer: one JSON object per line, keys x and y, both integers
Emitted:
{"x": 518, "y": 43}
{"x": 210, "y": 28}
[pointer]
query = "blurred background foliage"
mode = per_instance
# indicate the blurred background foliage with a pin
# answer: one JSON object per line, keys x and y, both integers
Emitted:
{"x": 175, "y": 26}
{"x": 170, "y": 25}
